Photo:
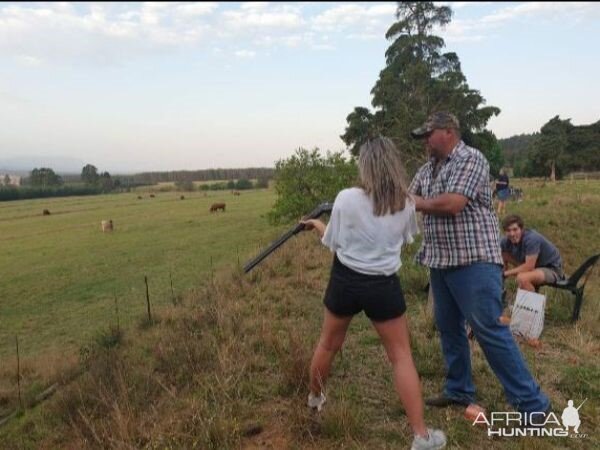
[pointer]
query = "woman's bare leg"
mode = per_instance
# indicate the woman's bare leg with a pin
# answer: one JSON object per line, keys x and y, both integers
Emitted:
{"x": 396, "y": 340}
{"x": 332, "y": 337}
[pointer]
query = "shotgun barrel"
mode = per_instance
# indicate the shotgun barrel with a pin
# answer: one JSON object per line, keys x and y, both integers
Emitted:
{"x": 323, "y": 208}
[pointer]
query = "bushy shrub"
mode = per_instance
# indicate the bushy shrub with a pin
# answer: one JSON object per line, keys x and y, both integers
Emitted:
{"x": 185, "y": 185}
{"x": 243, "y": 184}
{"x": 307, "y": 179}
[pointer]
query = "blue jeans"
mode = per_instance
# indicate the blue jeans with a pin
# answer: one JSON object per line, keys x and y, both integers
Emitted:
{"x": 474, "y": 293}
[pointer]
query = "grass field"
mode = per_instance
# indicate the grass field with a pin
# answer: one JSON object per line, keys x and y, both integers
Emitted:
{"x": 227, "y": 368}
{"x": 60, "y": 273}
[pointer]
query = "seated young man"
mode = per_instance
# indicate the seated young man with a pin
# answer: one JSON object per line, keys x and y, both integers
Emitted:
{"x": 537, "y": 260}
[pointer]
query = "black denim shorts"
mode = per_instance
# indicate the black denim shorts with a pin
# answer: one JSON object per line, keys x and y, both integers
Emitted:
{"x": 350, "y": 292}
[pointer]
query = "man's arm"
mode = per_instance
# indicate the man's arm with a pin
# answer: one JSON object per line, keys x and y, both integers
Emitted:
{"x": 464, "y": 181}
{"x": 527, "y": 266}
{"x": 508, "y": 260}
{"x": 415, "y": 184}
{"x": 441, "y": 205}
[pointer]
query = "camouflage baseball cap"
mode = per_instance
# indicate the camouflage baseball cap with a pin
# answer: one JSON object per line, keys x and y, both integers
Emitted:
{"x": 437, "y": 120}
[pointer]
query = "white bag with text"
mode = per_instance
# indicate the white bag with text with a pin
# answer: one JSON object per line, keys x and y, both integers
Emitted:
{"x": 527, "y": 319}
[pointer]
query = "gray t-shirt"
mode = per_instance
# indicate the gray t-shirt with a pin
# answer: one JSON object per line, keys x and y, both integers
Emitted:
{"x": 533, "y": 243}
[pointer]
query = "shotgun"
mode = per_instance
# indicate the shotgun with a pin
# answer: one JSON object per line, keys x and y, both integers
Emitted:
{"x": 314, "y": 214}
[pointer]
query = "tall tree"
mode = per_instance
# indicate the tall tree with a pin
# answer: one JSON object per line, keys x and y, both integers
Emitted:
{"x": 361, "y": 126}
{"x": 44, "y": 177}
{"x": 89, "y": 174}
{"x": 488, "y": 144}
{"x": 548, "y": 151}
{"x": 105, "y": 181}
{"x": 418, "y": 79}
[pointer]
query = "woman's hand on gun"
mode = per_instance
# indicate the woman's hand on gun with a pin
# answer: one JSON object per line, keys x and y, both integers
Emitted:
{"x": 314, "y": 224}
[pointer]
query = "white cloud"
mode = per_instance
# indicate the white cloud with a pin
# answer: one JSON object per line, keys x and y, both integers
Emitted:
{"x": 29, "y": 61}
{"x": 338, "y": 16}
{"x": 193, "y": 10}
{"x": 555, "y": 10}
{"x": 473, "y": 30}
{"x": 111, "y": 33}
{"x": 323, "y": 47}
{"x": 283, "y": 18}
{"x": 387, "y": 10}
{"x": 364, "y": 36}
{"x": 99, "y": 33}
{"x": 460, "y": 5}
{"x": 246, "y": 54}
{"x": 345, "y": 16}
{"x": 254, "y": 5}
{"x": 152, "y": 12}
{"x": 463, "y": 31}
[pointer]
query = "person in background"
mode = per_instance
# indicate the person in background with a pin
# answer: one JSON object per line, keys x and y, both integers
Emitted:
{"x": 537, "y": 261}
{"x": 502, "y": 191}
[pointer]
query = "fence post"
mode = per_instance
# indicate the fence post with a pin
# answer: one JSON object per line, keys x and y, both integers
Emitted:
{"x": 18, "y": 372}
{"x": 117, "y": 313}
{"x": 148, "y": 299}
{"x": 172, "y": 293}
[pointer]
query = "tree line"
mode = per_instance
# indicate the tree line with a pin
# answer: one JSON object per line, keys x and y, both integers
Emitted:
{"x": 238, "y": 185}
{"x": 556, "y": 150}
{"x": 202, "y": 175}
{"x": 44, "y": 182}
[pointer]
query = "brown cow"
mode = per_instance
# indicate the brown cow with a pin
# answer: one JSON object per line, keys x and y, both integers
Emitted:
{"x": 139, "y": 197}
{"x": 217, "y": 206}
{"x": 182, "y": 197}
{"x": 236, "y": 193}
{"x": 46, "y": 212}
{"x": 151, "y": 195}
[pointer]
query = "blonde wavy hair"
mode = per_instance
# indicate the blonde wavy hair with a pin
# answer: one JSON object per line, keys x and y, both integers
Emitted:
{"x": 382, "y": 175}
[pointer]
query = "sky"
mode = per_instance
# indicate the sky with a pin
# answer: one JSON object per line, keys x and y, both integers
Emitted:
{"x": 132, "y": 87}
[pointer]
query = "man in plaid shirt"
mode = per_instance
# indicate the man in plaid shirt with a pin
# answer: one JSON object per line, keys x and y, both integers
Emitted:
{"x": 462, "y": 249}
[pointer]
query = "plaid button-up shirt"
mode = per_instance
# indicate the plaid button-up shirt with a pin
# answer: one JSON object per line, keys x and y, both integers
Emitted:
{"x": 471, "y": 235}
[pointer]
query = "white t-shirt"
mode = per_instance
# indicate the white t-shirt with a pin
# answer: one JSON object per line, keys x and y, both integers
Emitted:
{"x": 364, "y": 242}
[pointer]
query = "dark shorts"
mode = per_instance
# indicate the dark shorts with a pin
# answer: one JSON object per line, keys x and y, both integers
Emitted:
{"x": 503, "y": 194}
{"x": 350, "y": 292}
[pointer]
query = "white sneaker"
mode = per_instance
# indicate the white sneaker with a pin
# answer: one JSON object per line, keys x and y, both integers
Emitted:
{"x": 316, "y": 401}
{"x": 436, "y": 439}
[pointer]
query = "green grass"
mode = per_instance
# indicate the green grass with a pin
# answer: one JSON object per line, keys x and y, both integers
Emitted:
{"x": 60, "y": 273}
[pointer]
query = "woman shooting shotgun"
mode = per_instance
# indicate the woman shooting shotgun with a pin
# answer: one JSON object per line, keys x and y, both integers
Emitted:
{"x": 367, "y": 228}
